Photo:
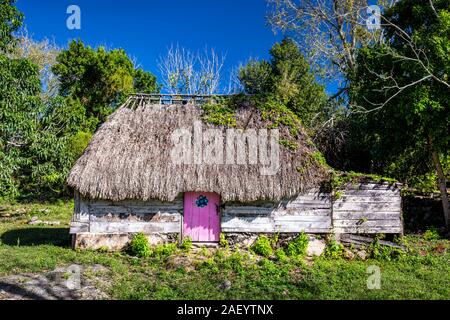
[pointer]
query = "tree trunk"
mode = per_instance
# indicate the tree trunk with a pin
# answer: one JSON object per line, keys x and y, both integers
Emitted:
{"x": 441, "y": 182}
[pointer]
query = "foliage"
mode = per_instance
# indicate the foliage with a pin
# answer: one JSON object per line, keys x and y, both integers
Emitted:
{"x": 139, "y": 246}
{"x": 10, "y": 21}
{"x": 280, "y": 255}
{"x": 255, "y": 76}
{"x": 42, "y": 53}
{"x": 263, "y": 246}
{"x": 334, "y": 250}
{"x": 223, "y": 242}
{"x": 288, "y": 79}
{"x": 297, "y": 247}
{"x": 186, "y": 244}
{"x": 418, "y": 275}
{"x": 219, "y": 114}
{"x": 19, "y": 108}
{"x": 100, "y": 79}
{"x": 397, "y": 138}
{"x": 431, "y": 234}
{"x": 165, "y": 250}
{"x": 382, "y": 252}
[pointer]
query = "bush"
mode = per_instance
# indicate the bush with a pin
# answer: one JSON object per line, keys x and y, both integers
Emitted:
{"x": 186, "y": 244}
{"x": 165, "y": 250}
{"x": 280, "y": 255}
{"x": 223, "y": 242}
{"x": 139, "y": 246}
{"x": 297, "y": 247}
{"x": 431, "y": 234}
{"x": 262, "y": 246}
{"x": 381, "y": 252}
{"x": 334, "y": 250}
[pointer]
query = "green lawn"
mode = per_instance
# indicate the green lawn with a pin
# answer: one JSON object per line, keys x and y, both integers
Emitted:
{"x": 421, "y": 274}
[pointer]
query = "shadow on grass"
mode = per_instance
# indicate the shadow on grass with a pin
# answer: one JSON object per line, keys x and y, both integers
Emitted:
{"x": 37, "y": 236}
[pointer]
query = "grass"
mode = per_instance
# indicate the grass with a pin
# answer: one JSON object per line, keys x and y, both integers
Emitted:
{"x": 180, "y": 273}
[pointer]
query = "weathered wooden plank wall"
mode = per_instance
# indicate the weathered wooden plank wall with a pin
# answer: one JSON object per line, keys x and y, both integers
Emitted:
{"x": 368, "y": 208}
{"x": 357, "y": 208}
{"x": 309, "y": 212}
{"x": 102, "y": 216}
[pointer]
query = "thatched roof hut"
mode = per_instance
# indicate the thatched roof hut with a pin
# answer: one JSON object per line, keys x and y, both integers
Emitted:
{"x": 183, "y": 170}
{"x": 130, "y": 157}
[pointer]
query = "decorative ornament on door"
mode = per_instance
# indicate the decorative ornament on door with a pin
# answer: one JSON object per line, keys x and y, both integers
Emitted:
{"x": 202, "y": 201}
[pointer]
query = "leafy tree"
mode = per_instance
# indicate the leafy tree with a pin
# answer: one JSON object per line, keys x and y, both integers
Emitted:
{"x": 100, "y": 79}
{"x": 287, "y": 77}
{"x": 19, "y": 107}
{"x": 404, "y": 87}
{"x": 10, "y": 21}
{"x": 255, "y": 76}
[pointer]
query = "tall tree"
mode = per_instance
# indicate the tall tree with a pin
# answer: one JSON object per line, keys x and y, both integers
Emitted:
{"x": 329, "y": 33}
{"x": 10, "y": 21}
{"x": 402, "y": 90}
{"x": 287, "y": 75}
{"x": 185, "y": 72}
{"x": 100, "y": 79}
{"x": 19, "y": 107}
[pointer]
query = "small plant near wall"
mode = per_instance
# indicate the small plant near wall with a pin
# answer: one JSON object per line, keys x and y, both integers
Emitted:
{"x": 334, "y": 250}
{"x": 139, "y": 246}
{"x": 431, "y": 234}
{"x": 186, "y": 244}
{"x": 381, "y": 252}
{"x": 297, "y": 247}
{"x": 223, "y": 242}
{"x": 165, "y": 250}
{"x": 262, "y": 246}
{"x": 280, "y": 255}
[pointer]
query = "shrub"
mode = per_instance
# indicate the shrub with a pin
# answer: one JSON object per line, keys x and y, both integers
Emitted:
{"x": 334, "y": 250}
{"x": 280, "y": 255}
{"x": 139, "y": 246}
{"x": 380, "y": 252}
{"x": 165, "y": 250}
{"x": 297, "y": 247}
{"x": 186, "y": 244}
{"x": 431, "y": 234}
{"x": 223, "y": 242}
{"x": 262, "y": 246}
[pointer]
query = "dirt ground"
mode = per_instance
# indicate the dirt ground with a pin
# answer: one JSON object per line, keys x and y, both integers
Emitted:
{"x": 74, "y": 282}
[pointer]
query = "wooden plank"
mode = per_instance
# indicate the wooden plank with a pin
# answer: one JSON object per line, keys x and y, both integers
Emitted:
{"x": 116, "y": 209}
{"x": 147, "y": 217}
{"x": 133, "y": 227}
{"x": 368, "y": 215}
{"x": 302, "y": 228}
{"x": 371, "y": 193}
{"x": 359, "y": 240}
{"x": 83, "y": 214}
{"x": 354, "y": 206}
{"x": 304, "y": 212}
{"x": 365, "y": 199}
{"x": 78, "y": 227}
{"x": 302, "y": 218}
{"x": 368, "y": 223}
{"x": 308, "y": 203}
{"x": 368, "y": 230}
{"x": 248, "y": 210}
{"x": 248, "y": 228}
{"x": 370, "y": 186}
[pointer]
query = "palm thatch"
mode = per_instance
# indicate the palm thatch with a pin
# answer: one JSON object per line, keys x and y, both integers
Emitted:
{"x": 129, "y": 157}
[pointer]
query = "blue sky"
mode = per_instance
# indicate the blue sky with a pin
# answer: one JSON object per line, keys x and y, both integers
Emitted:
{"x": 146, "y": 28}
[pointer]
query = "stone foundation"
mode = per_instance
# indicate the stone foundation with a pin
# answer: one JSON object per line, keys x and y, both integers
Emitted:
{"x": 114, "y": 241}
{"x": 245, "y": 240}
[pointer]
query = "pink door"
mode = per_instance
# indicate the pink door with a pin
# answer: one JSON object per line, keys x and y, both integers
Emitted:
{"x": 201, "y": 216}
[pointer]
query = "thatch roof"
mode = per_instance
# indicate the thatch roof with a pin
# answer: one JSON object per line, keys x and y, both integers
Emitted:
{"x": 129, "y": 157}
